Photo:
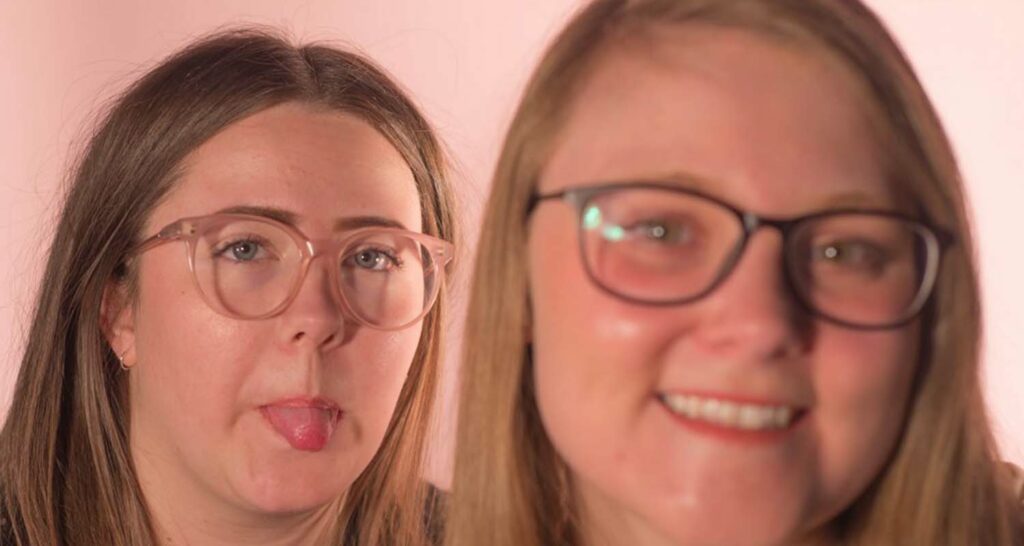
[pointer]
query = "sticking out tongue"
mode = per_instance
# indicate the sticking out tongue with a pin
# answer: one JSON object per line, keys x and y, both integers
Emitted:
{"x": 306, "y": 428}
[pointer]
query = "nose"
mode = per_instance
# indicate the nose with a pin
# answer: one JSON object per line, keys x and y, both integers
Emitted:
{"x": 314, "y": 317}
{"x": 753, "y": 315}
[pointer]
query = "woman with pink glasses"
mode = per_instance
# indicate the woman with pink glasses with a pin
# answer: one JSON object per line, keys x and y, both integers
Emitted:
{"x": 237, "y": 335}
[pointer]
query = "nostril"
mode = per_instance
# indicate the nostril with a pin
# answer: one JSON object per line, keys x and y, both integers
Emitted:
{"x": 320, "y": 338}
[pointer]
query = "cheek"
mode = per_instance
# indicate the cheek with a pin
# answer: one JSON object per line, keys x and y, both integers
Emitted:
{"x": 187, "y": 355}
{"x": 370, "y": 372}
{"x": 862, "y": 384}
{"x": 596, "y": 359}
{"x": 865, "y": 378}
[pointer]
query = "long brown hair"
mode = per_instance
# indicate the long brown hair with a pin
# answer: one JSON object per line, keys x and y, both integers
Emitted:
{"x": 66, "y": 474}
{"x": 943, "y": 484}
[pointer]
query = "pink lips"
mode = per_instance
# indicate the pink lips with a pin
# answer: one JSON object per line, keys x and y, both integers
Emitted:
{"x": 307, "y": 424}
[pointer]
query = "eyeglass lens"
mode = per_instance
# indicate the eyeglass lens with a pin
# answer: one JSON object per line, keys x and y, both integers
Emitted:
{"x": 250, "y": 267}
{"x": 660, "y": 246}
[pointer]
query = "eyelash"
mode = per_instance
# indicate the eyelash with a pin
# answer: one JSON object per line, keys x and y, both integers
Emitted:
{"x": 249, "y": 238}
{"x": 396, "y": 262}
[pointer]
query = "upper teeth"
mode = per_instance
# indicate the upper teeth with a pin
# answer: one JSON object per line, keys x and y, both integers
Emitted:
{"x": 729, "y": 414}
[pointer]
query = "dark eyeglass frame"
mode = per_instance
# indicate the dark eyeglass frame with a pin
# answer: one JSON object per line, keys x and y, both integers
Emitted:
{"x": 190, "y": 229}
{"x": 938, "y": 240}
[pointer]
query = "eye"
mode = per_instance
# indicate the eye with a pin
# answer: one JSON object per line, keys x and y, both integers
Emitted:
{"x": 243, "y": 250}
{"x": 373, "y": 259}
{"x": 664, "y": 231}
{"x": 852, "y": 254}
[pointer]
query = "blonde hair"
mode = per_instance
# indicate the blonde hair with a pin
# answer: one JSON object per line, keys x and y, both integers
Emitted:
{"x": 943, "y": 484}
{"x": 66, "y": 474}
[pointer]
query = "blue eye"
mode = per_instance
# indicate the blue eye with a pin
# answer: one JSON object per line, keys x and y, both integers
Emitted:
{"x": 373, "y": 260}
{"x": 242, "y": 251}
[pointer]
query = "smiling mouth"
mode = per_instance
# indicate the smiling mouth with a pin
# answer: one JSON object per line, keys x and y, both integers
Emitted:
{"x": 741, "y": 416}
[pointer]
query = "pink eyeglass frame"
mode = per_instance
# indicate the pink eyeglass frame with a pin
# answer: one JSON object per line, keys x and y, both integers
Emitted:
{"x": 190, "y": 229}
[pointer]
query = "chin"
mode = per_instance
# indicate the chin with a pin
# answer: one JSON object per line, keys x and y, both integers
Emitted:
{"x": 290, "y": 501}
{"x": 739, "y": 530}
{"x": 284, "y": 490}
{"x": 748, "y": 516}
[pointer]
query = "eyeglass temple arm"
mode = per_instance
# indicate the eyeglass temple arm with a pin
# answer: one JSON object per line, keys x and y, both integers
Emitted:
{"x": 536, "y": 198}
{"x": 169, "y": 233}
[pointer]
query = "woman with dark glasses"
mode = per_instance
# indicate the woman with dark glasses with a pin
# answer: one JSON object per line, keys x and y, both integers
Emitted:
{"x": 237, "y": 335}
{"x": 726, "y": 296}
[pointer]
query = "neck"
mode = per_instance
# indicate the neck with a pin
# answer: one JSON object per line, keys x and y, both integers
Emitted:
{"x": 603, "y": 522}
{"x": 184, "y": 514}
{"x": 313, "y": 528}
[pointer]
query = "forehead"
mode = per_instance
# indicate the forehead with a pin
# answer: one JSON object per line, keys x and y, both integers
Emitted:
{"x": 770, "y": 126}
{"x": 319, "y": 164}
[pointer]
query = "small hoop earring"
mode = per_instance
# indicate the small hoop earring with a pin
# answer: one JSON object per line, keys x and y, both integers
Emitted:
{"x": 120, "y": 361}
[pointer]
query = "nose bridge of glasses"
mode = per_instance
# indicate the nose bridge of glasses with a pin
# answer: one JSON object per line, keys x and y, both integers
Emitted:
{"x": 329, "y": 249}
{"x": 784, "y": 226}
{"x": 752, "y": 222}
{"x": 316, "y": 248}
{"x": 739, "y": 257}
{"x": 751, "y": 225}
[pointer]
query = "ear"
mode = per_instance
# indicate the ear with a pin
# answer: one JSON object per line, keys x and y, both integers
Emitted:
{"x": 117, "y": 321}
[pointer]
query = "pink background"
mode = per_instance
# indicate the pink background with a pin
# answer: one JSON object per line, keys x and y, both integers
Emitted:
{"x": 465, "y": 62}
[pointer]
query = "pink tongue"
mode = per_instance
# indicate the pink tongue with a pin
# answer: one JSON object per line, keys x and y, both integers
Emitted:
{"x": 305, "y": 428}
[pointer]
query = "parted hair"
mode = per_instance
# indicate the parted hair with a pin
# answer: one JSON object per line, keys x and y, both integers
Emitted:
{"x": 66, "y": 473}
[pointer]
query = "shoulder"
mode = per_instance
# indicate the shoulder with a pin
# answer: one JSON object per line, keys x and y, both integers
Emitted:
{"x": 434, "y": 508}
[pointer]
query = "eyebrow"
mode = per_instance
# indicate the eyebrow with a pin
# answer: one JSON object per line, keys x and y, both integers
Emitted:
{"x": 290, "y": 218}
{"x": 353, "y": 222}
{"x": 688, "y": 181}
{"x": 856, "y": 199}
{"x": 847, "y": 199}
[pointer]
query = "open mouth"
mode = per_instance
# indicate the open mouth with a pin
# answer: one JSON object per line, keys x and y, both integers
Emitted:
{"x": 307, "y": 426}
{"x": 742, "y": 416}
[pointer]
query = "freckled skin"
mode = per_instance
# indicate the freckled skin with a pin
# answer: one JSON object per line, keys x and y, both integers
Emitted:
{"x": 205, "y": 455}
{"x": 780, "y": 133}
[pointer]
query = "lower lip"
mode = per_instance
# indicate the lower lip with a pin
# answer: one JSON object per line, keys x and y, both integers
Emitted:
{"x": 312, "y": 437}
{"x": 735, "y": 435}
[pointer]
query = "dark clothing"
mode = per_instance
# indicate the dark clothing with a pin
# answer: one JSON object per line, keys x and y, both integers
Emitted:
{"x": 434, "y": 511}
